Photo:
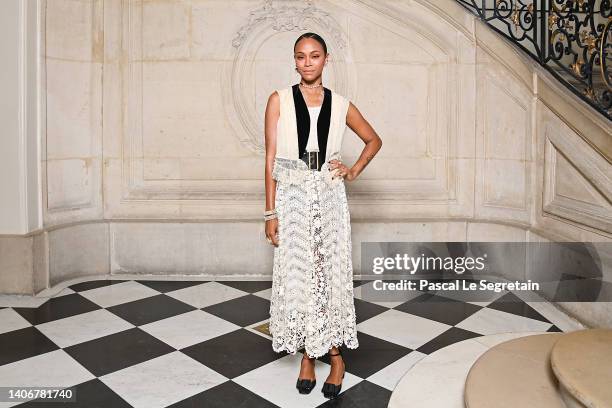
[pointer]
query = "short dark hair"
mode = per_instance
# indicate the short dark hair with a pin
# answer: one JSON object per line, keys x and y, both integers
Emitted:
{"x": 314, "y": 36}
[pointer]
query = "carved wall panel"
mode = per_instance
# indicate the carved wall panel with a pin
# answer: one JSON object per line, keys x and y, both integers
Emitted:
{"x": 577, "y": 183}
{"x": 504, "y": 140}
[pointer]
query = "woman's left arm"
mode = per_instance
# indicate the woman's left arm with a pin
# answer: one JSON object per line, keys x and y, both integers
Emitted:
{"x": 373, "y": 143}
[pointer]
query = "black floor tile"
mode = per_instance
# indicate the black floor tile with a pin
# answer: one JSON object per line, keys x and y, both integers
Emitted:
{"x": 80, "y": 287}
{"x": 366, "y": 310}
{"x": 358, "y": 283}
{"x": 510, "y": 303}
{"x": 23, "y": 343}
{"x": 243, "y": 311}
{"x": 372, "y": 355}
{"x": 168, "y": 286}
{"x": 150, "y": 309}
{"x": 91, "y": 394}
{"x": 227, "y": 394}
{"x": 554, "y": 328}
{"x": 363, "y": 395}
{"x": 116, "y": 351}
{"x": 451, "y": 336}
{"x": 57, "y": 308}
{"x": 439, "y": 308}
{"x": 234, "y": 353}
{"x": 248, "y": 286}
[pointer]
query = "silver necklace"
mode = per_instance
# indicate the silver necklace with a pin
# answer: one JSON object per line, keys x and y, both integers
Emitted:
{"x": 312, "y": 86}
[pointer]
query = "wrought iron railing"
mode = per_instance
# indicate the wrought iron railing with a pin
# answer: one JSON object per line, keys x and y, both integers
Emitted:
{"x": 570, "y": 38}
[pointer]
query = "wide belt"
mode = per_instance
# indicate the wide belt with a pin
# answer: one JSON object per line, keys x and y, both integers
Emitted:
{"x": 313, "y": 160}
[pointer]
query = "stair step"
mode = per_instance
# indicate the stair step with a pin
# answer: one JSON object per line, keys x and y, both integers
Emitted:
{"x": 582, "y": 362}
{"x": 448, "y": 368}
{"x": 515, "y": 373}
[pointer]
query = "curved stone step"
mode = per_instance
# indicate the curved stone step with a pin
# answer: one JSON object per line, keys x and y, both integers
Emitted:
{"x": 582, "y": 362}
{"x": 444, "y": 369}
{"x": 515, "y": 373}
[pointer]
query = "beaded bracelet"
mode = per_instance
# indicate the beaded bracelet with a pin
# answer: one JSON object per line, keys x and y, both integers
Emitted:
{"x": 270, "y": 214}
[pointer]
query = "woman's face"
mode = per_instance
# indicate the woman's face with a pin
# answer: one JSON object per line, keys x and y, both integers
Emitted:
{"x": 309, "y": 58}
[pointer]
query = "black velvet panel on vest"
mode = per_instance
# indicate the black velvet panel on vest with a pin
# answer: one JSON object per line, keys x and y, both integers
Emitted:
{"x": 303, "y": 121}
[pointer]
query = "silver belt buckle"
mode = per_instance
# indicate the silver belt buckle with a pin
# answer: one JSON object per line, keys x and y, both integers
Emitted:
{"x": 313, "y": 160}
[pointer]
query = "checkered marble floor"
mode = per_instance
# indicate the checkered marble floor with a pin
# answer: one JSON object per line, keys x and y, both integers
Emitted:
{"x": 146, "y": 343}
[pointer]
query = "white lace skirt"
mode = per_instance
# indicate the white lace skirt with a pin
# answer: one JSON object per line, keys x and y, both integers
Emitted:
{"x": 311, "y": 304}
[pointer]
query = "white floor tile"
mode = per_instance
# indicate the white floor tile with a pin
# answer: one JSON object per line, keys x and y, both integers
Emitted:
{"x": 402, "y": 328}
{"x": 491, "y": 321}
{"x": 118, "y": 293}
{"x": 391, "y": 374}
{"x": 266, "y": 293}
{"x": 53, "y": 369}
{"x": 83, "y": 327}
{"x": 162, "y": 381}
{"x": 11, "y": 320}
{"x": 189, "y": 328}
{"x": 206, "y": 294}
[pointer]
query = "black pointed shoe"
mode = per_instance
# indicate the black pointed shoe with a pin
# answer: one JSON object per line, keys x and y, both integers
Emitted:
{"x": 332, "y": 390}
{"x": 304, "y": 386}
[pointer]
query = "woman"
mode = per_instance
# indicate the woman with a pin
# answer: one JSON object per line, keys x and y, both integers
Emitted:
{"x": 307, "y": 217}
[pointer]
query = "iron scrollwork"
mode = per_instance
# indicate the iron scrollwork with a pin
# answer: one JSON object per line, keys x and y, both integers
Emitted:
{"x": 570, "y": 38}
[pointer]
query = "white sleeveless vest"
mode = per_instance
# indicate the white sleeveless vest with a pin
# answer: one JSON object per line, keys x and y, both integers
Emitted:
{"x": 287, "y": 132}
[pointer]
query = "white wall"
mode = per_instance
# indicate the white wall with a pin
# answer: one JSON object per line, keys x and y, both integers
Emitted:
{"x": 19, "y": 141}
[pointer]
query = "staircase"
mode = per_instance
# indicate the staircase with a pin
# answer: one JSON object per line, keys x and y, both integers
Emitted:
{"x": 552, "y": 370}
{"x": 571, "y": 39}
